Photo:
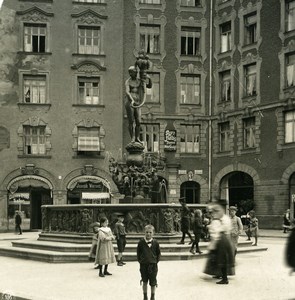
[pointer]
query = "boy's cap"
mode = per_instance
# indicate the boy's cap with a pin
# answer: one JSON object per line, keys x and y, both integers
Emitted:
{"x": 232, "y": 208}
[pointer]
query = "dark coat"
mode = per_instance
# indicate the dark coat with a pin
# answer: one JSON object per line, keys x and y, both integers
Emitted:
{"x": 18, "y": 220}
{"x": 290, "y": 250}
{"x": 146, "y": 254}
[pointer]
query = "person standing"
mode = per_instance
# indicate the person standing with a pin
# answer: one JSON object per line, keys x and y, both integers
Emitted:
{"x": 92, "y": 252}
{"x": 287, "y": 221}
{"x": 120, "y": 234}
{"x": 237, "y": 227}
{"x": 220, "y": 262}
{"x": 290, "y": 249}
{"x": 18, "y": 222}
{"x": 197, "y": 227}
{"x": 185, "y": 216}
{"x": 105, "y": 251}
{"x": 148, "y": 256}
{"x": 252, "y": 230}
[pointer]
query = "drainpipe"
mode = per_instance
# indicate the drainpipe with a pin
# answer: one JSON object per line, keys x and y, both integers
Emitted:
{"x": 210, "y": 103}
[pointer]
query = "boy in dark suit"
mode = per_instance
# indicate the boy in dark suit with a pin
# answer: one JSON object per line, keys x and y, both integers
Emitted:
{"x": 148, "y": 255}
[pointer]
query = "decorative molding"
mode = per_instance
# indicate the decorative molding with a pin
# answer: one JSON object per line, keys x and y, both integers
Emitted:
{"x": 88, "y": 67}
{"x": 89, "y": 17}
{"x": 34, "y": 14}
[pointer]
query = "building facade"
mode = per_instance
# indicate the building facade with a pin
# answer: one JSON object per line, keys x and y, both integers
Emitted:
{"x": 221, "y": 110}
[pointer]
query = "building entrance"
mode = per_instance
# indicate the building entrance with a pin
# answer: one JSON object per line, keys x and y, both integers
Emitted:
{"x": 238, "y": 189}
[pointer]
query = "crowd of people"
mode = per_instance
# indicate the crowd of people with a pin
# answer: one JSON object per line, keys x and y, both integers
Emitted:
{"x": 212, "y": 224}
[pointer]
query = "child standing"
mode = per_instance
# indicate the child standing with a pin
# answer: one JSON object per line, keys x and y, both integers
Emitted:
{"x": 105, "y": 251}
{"x": 252, "y": 227}
{"x": 148, "y": 255}
{"x": 120, "y": 233}
{"x": 93, "y": 248}
{"x": 197, "y": 229}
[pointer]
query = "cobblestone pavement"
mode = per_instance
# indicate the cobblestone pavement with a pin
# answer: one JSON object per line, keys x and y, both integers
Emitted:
{"x": 262, "y": 275}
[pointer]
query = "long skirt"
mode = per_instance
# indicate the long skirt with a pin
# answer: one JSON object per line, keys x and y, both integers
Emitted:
{"x": 92, "y": 251}
{"x": 221, "y": 257}
{"x": 105, "y": 253}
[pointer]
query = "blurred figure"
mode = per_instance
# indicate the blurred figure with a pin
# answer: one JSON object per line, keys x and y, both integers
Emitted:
{"x": 206, "y": 218}
{"x": 252, "y": 230}
{"x": 92, "y": 252}
{"x": 185, "y": 215}
{"x": 237, "y": 227}
{"x": 197, "y": 227}
{"x": 287, "y": 221}
{"x": 290, "y": 249}
{"x": 220, "y": 262}
{"x": 18, "y": 222}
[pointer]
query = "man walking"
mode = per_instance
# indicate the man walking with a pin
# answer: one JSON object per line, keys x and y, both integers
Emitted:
{"x": 18, "y": 222}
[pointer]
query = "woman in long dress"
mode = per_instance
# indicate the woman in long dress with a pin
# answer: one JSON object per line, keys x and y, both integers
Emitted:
{"x": 220, "y": 261}
{"x": 105, "y": 254}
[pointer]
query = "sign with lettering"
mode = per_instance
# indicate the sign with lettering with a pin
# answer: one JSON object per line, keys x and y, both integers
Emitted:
{"x": 170, "y": 140}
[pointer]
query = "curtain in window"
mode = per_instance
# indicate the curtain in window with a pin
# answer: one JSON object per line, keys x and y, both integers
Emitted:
{"x": 149, "y": 39}
{"x": 291, "y": 75}
{"x": 88, "y": 139}
{"x": 290, "y": 15}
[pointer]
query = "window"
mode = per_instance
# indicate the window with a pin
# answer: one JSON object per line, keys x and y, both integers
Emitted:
{"x": 224, "y": 134}
{"x": 250, "y": 29}
{"x": 35, "y": 37}
{"x": 88, "y": 90}
{"x": 88, "y": 139}
{"x": 249, "y": 133}
{"x": 290, "y": 15}
{"x": 149, "y": 135}
{"x": 190, "y": 40}
{"x": 89, "y": 39}
{"x": 34, "y": 89}
{"x": 150, "y": 38}
{"x": 150, "y": 1}
{"x": 290, "y": 127}
{"x": 290, "y": 69}
{"x": 190, "y": 89}
{"x": 250, "y": 80}
{"x": 34, "y": 140}
{"x": 191, "y": 3}
{"x": 190, "y": 139}
{"x": 153, "y": 94}
{"x": 225, "y": 86}
{"x": 225, "y": 37}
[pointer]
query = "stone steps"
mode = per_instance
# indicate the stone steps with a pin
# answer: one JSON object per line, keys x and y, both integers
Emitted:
{"x": 58, "y": 249}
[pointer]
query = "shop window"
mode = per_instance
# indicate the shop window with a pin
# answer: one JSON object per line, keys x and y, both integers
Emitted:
{"x": 225, "y": 86}
{"x": 150, "y": 136}
{"x": 190, "y": 89}
{"x": 89, "y": 40}
{"x": 89, "y": 90}
{"x": 153, "y": 94}
{"x": 290, "y": 69}
{"x": 34, "y": 89}
{"x": 290, "y": 127}
{"x": 190, "y": 40}
{"x": 88, "y": 140}
{"x": 249, "y": 133}
{"x": 190, "y": 139}
{"x": 35, "y": 37}
{"x": 250, "y": 22}
{"x": 290, "y": 15}
{"x": 34, "y": 140}
{"x": 225, "y": 37}
{"x": 250, "y": 80}
{"x": 224, "y": 136}
{"x": 150, "y": 38}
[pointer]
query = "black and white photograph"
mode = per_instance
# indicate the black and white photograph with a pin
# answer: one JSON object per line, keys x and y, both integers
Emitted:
{"x": 147, "y": 149}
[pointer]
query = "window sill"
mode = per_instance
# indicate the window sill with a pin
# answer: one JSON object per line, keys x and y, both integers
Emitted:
{"x": 41, "y": 1}
{"x": 33, "y": 104}
{"x": 189, "y": 105}
{"x": 289, "y": 88}
{"x": 189, "y": 154}
{"x": 89, "y": 105}
{"x": 247, "y": 47}
{"x": 88, "y": 55}
{"x": 34, "y": 53}
{"x": 89, "y": 155}
{"x": 222, "y": 103}
{"x": 88, "y": 3}
{"x": 248, "y": 150}
{"x": 249, "y": 98}
{"x": 287, "y": 146}
{"x": 34, "y": 156}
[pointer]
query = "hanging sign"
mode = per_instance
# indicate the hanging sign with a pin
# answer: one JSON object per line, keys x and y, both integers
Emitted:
{"x": 170, "y": 140}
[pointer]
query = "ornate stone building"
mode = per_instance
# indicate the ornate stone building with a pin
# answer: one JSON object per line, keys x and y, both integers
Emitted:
{"x": 221, "y": 110}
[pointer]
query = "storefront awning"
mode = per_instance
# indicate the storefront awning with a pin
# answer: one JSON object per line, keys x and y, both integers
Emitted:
{"x": 95, "y": 196}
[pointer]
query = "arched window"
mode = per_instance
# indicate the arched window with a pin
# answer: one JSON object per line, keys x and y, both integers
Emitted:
{"x": 191, "y": 191}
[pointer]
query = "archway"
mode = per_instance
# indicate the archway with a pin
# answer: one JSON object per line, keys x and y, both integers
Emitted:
{"x": 27, "y": 194}
{"x": 190, "y": 190}
{"x": 238, "y": 189}
{"x": 88, "y": 190}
